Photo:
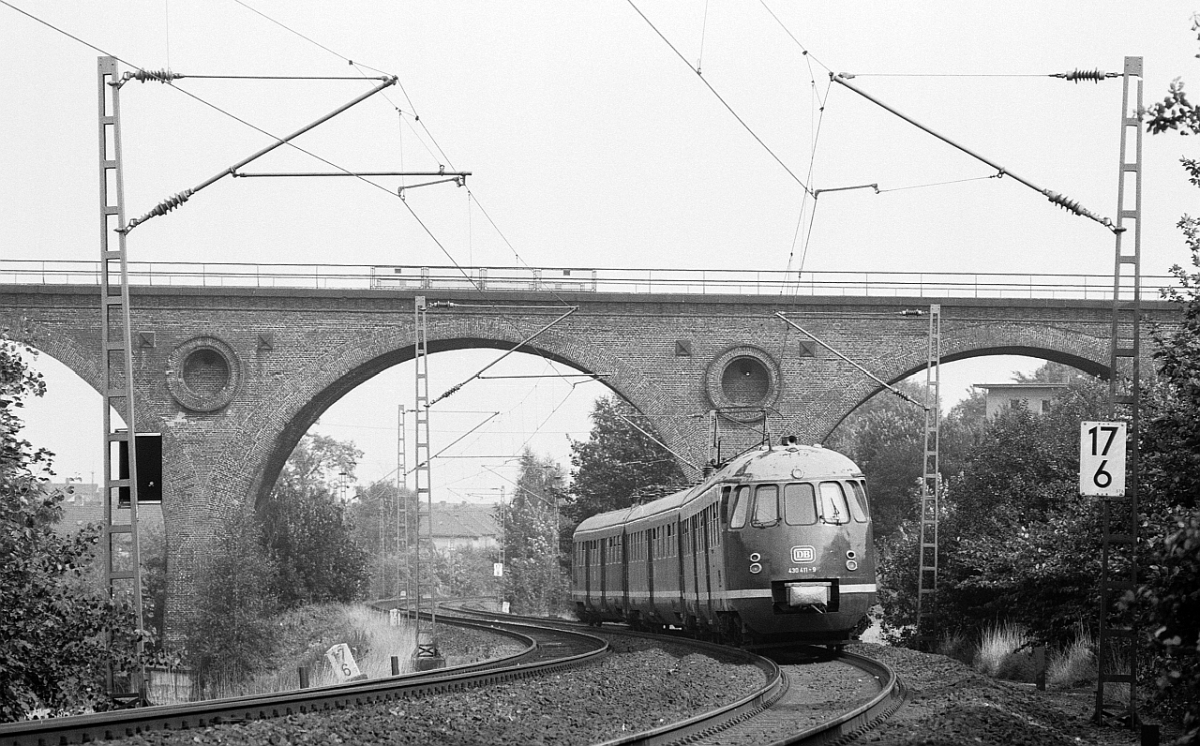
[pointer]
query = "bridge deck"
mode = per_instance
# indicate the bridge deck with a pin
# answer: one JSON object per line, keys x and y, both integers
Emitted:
{"x": 586, "y": 280}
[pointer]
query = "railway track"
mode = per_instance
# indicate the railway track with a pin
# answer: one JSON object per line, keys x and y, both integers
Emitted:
{"x": 789, "y": 708}
{"x": 545, "y": 650}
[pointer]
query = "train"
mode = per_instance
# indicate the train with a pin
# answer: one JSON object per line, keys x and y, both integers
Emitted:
{"x": 773, "y": 547}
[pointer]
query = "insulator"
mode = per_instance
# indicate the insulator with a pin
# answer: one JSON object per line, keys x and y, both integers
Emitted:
{"x": 1064, "y": 202}
{"x": 162, "y": 208}
{"x": 170, "y": 203}
{"x": 162, "y": 76}
{"x": 1077, "y": 75}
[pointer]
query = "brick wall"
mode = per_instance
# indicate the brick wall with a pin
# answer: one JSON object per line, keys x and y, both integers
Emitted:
{"x": 234, "y": 377}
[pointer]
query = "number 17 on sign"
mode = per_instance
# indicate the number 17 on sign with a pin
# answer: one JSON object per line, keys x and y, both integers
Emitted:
{"x": 1102, "y": 459}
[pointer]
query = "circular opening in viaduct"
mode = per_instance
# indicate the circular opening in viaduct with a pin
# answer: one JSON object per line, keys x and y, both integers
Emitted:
{"x": 206, "y": 372}
{"x": 745, "y": 381}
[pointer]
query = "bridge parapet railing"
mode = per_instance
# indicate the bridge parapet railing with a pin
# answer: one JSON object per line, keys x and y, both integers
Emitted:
{"x": 551, "y": 280}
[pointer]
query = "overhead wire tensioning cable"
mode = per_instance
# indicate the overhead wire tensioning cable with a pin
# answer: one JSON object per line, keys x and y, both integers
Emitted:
{"x": 1061, "y": 200}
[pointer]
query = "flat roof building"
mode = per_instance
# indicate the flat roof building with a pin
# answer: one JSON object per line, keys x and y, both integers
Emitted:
{"x": 1036, "y": 397}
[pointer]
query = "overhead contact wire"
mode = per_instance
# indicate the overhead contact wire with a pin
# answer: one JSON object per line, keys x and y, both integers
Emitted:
{"x": 725, "y": 103}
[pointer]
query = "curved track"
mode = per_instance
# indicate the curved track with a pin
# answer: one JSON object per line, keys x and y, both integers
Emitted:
{"x": 776, "y": 707}
{"x": 546, "y": 650}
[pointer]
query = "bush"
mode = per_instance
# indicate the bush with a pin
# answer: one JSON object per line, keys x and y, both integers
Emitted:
{"x": 231, "y": 634}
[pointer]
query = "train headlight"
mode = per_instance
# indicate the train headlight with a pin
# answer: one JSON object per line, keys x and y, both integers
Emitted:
{"x": 851, "y": 554}
{"x": 755, "y": 568}
{"x": 755, "y": 557}
{"x": 851, "y": 565}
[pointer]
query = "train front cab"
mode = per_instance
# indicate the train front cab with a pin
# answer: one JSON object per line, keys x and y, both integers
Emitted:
{"x": 804, "y": 546}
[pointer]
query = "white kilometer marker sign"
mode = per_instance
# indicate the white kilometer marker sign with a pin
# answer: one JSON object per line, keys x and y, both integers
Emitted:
{"x": 1102, "y": 459}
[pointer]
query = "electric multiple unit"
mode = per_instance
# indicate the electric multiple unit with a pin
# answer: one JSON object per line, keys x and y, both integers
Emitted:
{"x": 773, "y": 547}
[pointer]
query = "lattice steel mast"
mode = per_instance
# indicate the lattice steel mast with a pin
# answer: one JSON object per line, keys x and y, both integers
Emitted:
{"x": 1117, "y": 643}
{"x": 122, "y": 559}
{"x": 927, "y": 575}
{"x": 404, "y": 510}
{"x": 426, "y": 627}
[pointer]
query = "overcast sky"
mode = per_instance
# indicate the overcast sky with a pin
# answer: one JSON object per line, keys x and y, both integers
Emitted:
{"x": 591, "y": 144}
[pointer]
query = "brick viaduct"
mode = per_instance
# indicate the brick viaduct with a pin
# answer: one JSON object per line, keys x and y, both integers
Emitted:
{"x": 234, "y": 377}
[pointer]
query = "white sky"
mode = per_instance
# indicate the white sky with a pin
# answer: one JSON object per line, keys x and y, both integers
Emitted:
{"x": 591, "y": 145}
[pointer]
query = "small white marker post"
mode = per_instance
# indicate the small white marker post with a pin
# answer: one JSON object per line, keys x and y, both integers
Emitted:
{"x": 343, "y": 663}
{"x": 1102, "y": 458}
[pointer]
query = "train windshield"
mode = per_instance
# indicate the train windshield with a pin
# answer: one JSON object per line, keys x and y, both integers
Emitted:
{"x": 741, "y": 506}
{"x": 858, "y": 506}
{"x": 766, "y": 505}
{"x": 799, "y": 504}
{"x": 833, "y": 503}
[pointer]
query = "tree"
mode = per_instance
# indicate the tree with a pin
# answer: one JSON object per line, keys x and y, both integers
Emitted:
{"x": 618, "y": 465}
{"x": 231, "y": 633}
{"x": 885, "y": 437}
{"x": 1017, "y": 541}
{"x": 467, "y": 571}
{"x": 376, "y": 519}
{"x": 52, "y": 641}
{"x": 304, "y": 526}
{"x": 534, "y": 574}
{"x": 1171, "y": 459}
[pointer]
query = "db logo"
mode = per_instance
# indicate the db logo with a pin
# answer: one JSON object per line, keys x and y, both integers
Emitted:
{"x": 804, "y": 554}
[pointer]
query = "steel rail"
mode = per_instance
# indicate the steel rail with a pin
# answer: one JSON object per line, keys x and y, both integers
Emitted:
{"x": 125, "y": 723}
{"x": 858, "y": 720}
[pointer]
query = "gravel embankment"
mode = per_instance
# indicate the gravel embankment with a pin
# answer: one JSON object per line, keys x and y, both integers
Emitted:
{"x": 640, "y": 686}
{"x": 645, "y": 685}
{"x": 949, "y": 703}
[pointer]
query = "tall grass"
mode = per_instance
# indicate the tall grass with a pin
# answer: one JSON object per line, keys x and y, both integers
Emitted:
{"x": 1076, "y": 664}
{"x": 998, "y": 654}
{"x": 1001, "y": 655}
{"x": 305, "y": 635}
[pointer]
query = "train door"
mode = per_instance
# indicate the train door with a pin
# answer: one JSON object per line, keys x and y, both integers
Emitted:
{"x": 586, "y": 581}
{"x": 689, "y": 565}
{"x": 683, "y": 565}
{"x": 623, "y": 548}
{"x": 704, "y": 585}
{"x": 716, "y": 559}
{"x": 651, "y": 551}
{"x": 602, "y": 567}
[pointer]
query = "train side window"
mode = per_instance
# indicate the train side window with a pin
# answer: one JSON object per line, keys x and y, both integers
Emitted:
{"x": 858, "y": 506}
{"x": 766, "y": 505}
{"x": 741, "y": 506}
{"x": 724, "y": 509}
{"x": 833, "y": 503}
{"x": 799, "y": 504}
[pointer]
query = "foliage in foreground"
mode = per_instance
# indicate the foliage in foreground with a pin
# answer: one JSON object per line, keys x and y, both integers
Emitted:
{"x": 1171, "y": 443}
{"x": 52, "y": 642}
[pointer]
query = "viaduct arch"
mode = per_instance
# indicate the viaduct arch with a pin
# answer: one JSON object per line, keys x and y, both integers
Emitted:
{"x": 234, "y": 377}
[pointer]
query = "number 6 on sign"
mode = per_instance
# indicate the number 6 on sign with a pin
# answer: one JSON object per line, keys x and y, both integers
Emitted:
{"x": 1102, "y": 459}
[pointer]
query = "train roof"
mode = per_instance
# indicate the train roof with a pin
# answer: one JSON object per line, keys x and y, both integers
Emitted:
{"x": 766, "y": 464}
